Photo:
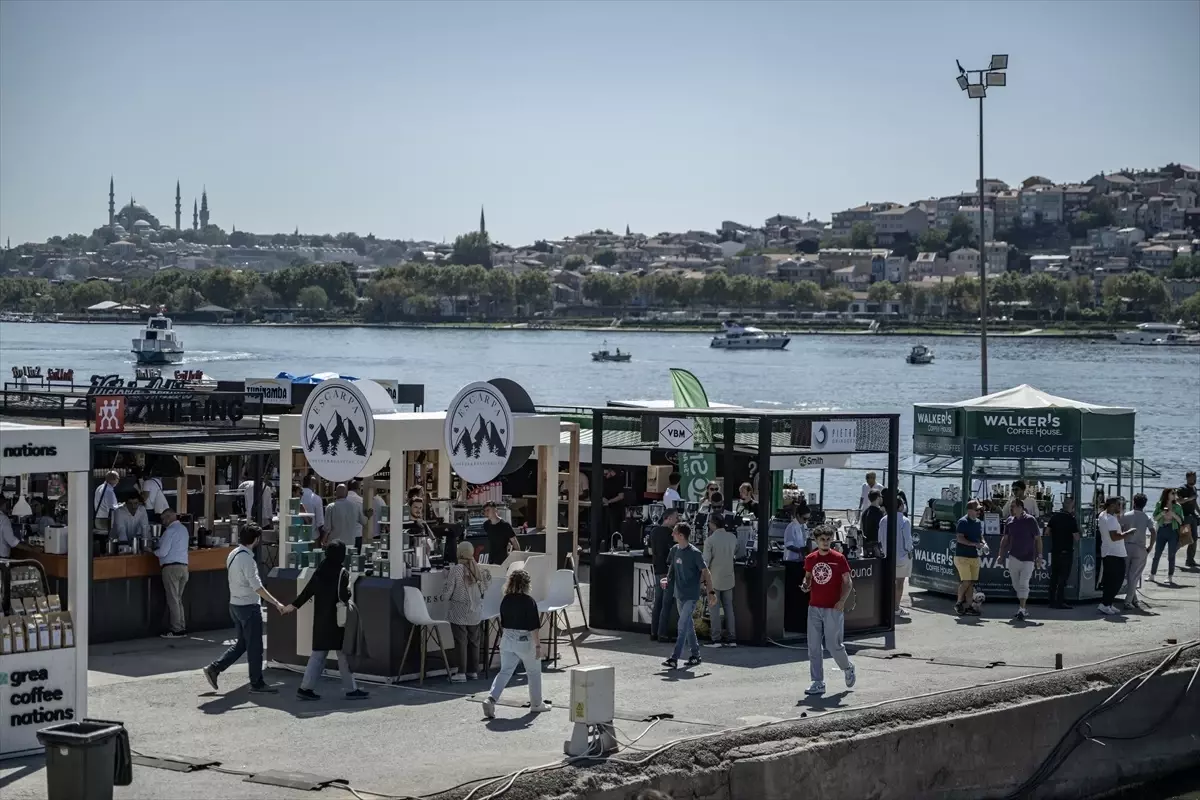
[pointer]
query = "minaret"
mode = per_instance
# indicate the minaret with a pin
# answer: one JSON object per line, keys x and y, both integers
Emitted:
{"x": 482, "y": 222}
{"x": 204, "y": 208}
{"x": 626, "y": 228}
{"x": 195, "y": 216}
{"x": 112, "y": 203}
{"x": 178, "y": 208}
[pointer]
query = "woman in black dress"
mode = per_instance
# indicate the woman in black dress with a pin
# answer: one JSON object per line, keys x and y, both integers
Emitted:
{"x": 330, "y": 584}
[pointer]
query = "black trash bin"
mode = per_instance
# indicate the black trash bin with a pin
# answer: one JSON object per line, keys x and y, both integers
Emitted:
{"x": 85, "y": 759}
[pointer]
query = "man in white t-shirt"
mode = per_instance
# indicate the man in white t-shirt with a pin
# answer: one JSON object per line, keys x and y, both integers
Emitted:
{"x": 104, "y": 501}
{"x": 671, "y": 496}
{"x": 378, "y": 504}
{"x": 1112, "y": 554}
{"x": 869, "y": 485}
{"x": 312, "y": 504}
{"x": 152, "y": 495}
{"x": 266, "y": 508}
{"x": 1137, "y": 548}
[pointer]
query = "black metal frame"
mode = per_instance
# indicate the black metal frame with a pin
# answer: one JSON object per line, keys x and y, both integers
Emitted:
{"x": 763, "y": 452}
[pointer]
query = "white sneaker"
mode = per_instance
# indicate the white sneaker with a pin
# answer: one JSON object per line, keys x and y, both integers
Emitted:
{"x": 851, "y": 676}
{"x": 458, "y": 677}
{"x": 1108, "y": 610}
{"x": 818, "y": 687}
{"x": 541, "y": 707}
{"x": 489, "y": 708}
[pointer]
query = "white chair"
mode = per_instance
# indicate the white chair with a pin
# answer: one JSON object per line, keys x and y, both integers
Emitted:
{"x": 560, "y": 597}
{"x": 511, "y": 562}
{"x": 417, "y": 614}
{"x": 540, "y": 571}
{"x": 489, "y": 619}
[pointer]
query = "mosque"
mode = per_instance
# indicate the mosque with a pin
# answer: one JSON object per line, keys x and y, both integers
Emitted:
{"x": 137, "y": 219}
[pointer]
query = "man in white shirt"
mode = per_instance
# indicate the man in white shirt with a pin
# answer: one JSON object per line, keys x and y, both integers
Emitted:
{"x": 8, "y": 539}
{"x": 172, "y": 553}
{"x": 869, "y": 485}
{"x": 378, "y": 504}
{"x": 245, "y": 587}
{"x": 355, "y": 497}
{"x": 795, "y": 535}
{"x": 345, "y": 518}
{"x": 152, "y": 495}
{"x": 266, "y": 508}
{"x": 104, "y": 500}
{"x": 1112, "y": 554}
{"x": 904, "y": 551}
{"x": 129, "y": 521}
{"x": 311, "y": 502}
{"x": 1030, "y": 503}
{"x": 672, "y": 496}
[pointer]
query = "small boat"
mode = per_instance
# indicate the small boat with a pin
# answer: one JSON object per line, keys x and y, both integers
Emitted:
{"x": 920, "y": 354}
{"x": 158, "y": 344}
{"x": 735, "y": 336}
{"x": 1178, "y": 340}
{"x": 1149, "y": 333}
{"x": 607, "y": 355}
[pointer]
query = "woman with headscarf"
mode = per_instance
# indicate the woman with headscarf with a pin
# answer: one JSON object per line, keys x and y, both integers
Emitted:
{"x": 465, "y": 587}
{"x": 329, "y": 585}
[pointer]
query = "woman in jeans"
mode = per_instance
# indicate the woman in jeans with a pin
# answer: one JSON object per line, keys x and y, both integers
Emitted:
{"x": 1022, "y": 544}
{"x": 1168, "y": 515}
{"x": 330, "y": 584}
{"x": 465, "y": 586}
{"x": 519, "y": 645}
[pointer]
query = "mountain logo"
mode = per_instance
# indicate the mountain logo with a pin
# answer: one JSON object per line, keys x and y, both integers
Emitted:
{"x": 479, "y": 433}
{"x": 337, "y": 430}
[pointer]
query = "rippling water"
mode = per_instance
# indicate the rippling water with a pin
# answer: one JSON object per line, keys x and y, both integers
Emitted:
{"x": 844, "y": 372}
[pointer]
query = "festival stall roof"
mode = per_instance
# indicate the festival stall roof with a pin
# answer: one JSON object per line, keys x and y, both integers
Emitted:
{"x": 1023, "y": 422}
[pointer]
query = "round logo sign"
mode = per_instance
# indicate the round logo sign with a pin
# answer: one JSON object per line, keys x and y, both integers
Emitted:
{"x": 822, "y": 573}
{"x": 479, "y": 432}
{"x": 337, "y": 430}
{"x": 1088, "y": 567}
{"x": 820, "y": 435}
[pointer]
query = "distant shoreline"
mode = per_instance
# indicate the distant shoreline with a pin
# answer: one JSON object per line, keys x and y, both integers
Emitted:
{"x": 913, "y": 329}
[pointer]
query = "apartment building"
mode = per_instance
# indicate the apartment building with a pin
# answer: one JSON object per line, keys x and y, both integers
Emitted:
{"x": 910, "y": 221}
{"x": 1041, "y": 202}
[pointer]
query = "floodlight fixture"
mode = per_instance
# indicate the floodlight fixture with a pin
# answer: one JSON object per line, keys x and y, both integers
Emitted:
{"x": 999, "y": 62}
{"x": 976, "y": 91}
{"x": 997, "y": 78}
{"x": 963, "y": 81}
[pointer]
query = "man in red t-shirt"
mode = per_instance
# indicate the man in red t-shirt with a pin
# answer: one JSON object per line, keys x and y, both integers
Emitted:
{"x": 827, "y": 579}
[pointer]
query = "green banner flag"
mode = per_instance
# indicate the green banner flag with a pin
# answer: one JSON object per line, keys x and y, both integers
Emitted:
{"x": 689, "y": 393}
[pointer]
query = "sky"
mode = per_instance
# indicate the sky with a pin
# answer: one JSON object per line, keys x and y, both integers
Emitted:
{"x": 401, "y": 119}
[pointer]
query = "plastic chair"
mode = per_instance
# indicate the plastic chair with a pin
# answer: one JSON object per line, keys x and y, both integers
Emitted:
{"x": 560, "y": 597}
{"x": 540, "y": 571}
{"x": 417, "y": 614}
{"x": 489, "y": 618}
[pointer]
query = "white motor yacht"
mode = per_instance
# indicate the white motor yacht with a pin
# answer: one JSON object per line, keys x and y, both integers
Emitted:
{"x": 1148, "y": 333}
{"x": 158, "y": 344}
{"x": 737, "y": 337}
{"x": 1178, "y": 340}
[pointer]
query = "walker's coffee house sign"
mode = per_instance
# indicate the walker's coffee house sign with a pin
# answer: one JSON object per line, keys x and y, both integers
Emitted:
{"x": 1041, "y": 433}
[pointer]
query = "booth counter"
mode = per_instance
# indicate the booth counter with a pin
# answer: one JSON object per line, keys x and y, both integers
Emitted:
{"x": 622, "y": 588}
{"x": 127, "y": 596}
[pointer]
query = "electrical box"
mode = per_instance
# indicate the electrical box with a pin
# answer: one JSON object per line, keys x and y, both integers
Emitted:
{"x": 593, "y": 695}
{"x": 658, "y": 478}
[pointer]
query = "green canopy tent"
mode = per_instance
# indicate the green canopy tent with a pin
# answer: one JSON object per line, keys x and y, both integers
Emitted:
{"x": 1018, "y": 433}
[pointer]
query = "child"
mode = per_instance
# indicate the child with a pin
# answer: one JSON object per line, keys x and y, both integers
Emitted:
{"x": 521, "y": 622}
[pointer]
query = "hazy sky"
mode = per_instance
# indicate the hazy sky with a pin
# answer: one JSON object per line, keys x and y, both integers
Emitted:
{"x": 402, "y": 118}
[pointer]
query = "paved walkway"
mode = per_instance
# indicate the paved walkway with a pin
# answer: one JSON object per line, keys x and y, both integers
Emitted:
{"x": 412, "y": 741}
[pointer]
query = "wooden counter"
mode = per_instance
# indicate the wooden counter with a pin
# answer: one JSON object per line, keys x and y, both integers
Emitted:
{"x": 127, "y": 596}
{"x": 108, "y": 568}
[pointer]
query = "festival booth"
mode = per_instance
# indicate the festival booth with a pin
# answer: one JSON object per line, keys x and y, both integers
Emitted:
{"x": 707, "y": 445}
{"x": 43, "y": 645}
{"x": 350, "y": 429}
{"x": 1021, "y": 433}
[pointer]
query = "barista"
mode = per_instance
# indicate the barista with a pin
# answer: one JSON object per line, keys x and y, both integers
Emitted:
{"x": 747, "y": 502}
{"x": 129, "y": 521}
{"x": 420, "y": 535}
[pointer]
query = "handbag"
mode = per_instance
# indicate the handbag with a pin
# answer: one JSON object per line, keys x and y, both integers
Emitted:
{"x": 343, "y": 606}
{"x": 1186, "y": 537}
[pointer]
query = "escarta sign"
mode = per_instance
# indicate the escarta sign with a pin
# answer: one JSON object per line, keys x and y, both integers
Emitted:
{"x": 337, "y": 430}
{"x": 479, "y": 434}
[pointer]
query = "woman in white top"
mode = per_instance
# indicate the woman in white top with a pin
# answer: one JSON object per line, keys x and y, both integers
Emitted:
{"x": 466, "y": 584}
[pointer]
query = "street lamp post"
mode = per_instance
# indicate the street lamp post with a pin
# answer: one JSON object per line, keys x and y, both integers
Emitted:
{"x": 994, "y": 75}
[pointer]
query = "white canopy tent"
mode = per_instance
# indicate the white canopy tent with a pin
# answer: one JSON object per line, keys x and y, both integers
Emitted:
{"x": 1028, "y": 397}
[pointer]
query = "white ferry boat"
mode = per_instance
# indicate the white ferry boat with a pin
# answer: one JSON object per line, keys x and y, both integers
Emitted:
{"x": 738, "y": 337}
{"x": 158, "y": 344}
{"x": 1148, "y": 333}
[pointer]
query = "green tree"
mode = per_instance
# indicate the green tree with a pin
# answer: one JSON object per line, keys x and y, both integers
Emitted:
{"x": 185, "y": 298}
{"x": 574, "y": 263}
{"x": 1185, "y": 267}
{"x": 241, "y": 239}
{"x": 1142, "y": 292}
{"x": 964, "y": 293}
{"x": 881, "y": 292}
{"x": 807, "y": 296}
{"x": 225, "y": 287}
{"x": 961, "y": 234}
{"x": 1083, "y": 292}
{"x": 741, "y": 291}
{"x": 313, "y": 298}
{"x": 600, "y": 288}
{"x": 862, "y": 235}
{"x": 472, "y": 248}
{"x": 499, "y": 289}
{"x": 1043, "y": 293}
{"x": 1189, "y": 309}
{"x": 1007, "y": 288}
{"x": 839, "y": 298}
{"x": 932, "y": 241}
{"x": 260, "y": 297}
{"x": 386, "y": 299}
{"x": 88, "y": 294}
{"x": 715, "y": 288}
{"x": 534, "y": 290}
{"x": 665, "y": 288}
{"x": 605, "y": 258}
{"x": 921, "y": 300}
{"x": 907, "y": 292}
